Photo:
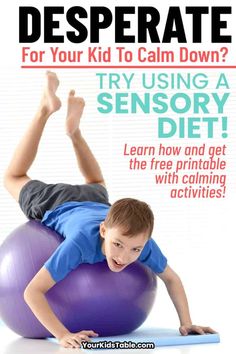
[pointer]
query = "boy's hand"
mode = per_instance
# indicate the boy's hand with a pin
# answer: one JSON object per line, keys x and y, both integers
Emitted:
{"x": 193, "y": 329}
{"x": 74, "y": 340}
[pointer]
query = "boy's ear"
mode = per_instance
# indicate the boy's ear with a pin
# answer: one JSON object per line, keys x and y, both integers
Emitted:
{"x": 102, "y": 229}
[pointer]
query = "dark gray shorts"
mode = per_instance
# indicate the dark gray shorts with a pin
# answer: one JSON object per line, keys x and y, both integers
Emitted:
{"x": 37, "y": 197}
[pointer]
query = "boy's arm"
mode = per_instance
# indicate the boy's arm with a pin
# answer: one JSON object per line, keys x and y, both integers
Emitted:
{"x": 177, "y": 294}
{"x": 34, "y": 296}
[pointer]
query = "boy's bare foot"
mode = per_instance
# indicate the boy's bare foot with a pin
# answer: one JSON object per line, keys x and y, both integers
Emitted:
{"x": 50, "y": 102}
{"x": 74, "y": 113}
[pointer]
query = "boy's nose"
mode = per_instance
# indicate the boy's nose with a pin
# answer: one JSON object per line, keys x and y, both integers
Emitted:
{"x": 123, "y": 258}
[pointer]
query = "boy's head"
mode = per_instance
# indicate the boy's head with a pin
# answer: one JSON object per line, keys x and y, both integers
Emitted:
{"x": 126, "y": 229}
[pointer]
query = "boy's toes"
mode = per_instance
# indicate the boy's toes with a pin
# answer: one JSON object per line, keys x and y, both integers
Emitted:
{"x": 72, "y": 93}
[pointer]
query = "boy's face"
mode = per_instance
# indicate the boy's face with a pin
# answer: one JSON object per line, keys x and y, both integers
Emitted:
{"x": 121, "y": 250}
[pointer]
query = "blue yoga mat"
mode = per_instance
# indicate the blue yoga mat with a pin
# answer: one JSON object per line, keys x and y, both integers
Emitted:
{"x": 160, "y": 337}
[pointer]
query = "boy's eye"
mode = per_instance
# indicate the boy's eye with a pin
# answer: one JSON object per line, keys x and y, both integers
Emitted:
{"x": 137, "y": 250}
{"x": 117, "y": 244}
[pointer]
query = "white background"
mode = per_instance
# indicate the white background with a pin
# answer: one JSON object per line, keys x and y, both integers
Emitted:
{"x": 196, "y": 235}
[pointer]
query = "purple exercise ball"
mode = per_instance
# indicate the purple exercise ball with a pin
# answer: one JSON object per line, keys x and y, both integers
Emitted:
{"x": 90, "y": 297}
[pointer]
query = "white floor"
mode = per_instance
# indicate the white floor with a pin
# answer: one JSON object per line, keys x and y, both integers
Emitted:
{"x": 13, "y": 344}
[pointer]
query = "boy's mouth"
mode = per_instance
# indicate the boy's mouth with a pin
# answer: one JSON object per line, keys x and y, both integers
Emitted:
{"x": 117, "y": 264}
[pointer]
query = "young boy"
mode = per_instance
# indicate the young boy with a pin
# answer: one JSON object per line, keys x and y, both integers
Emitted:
{"x": 93, "y": 230}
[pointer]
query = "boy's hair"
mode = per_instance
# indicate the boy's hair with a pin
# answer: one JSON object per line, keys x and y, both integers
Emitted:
{"x": 132, "y": 215}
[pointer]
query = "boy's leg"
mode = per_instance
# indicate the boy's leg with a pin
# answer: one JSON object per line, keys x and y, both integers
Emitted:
{"x": 87, "y": 163}
{"x": 16, "y": 174}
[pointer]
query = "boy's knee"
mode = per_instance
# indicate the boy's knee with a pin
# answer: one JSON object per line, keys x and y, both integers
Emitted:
{"x": 9, "y": 180}
{"x": 14, "y": 184}
{"x": 6, "y": 179}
